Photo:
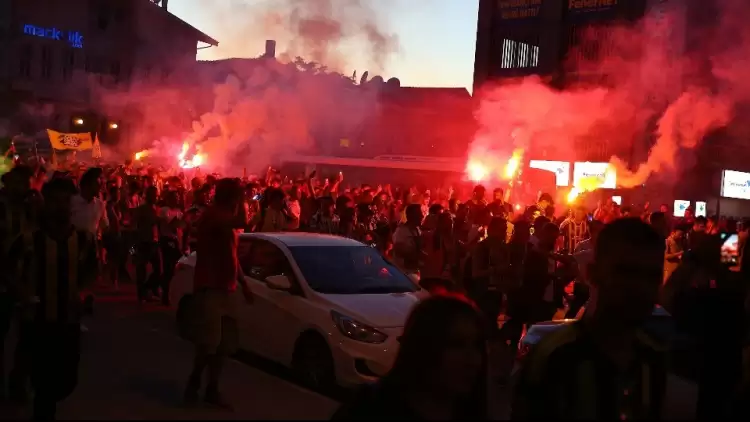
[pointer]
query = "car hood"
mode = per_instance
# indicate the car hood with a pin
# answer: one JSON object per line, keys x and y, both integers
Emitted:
{"x": 377, "y": 310}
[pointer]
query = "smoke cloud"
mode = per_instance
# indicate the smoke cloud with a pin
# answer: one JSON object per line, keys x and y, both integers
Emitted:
{"x": 330, "y": 32}
{"x": 249, "y": 113}
{"x": 637, "y": 83}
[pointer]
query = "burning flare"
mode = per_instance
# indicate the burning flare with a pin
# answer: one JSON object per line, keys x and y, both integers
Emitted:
{"x": 514, "y": 163}
{"x": 585, "y": 184}
{"x": 141, "y": 155}
{"x": 193, "y": 162}
{"x": 476, "y": 171}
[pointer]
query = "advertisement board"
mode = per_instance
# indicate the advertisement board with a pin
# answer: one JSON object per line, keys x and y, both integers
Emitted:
{"x": 606, "y": 176}
{"x": 518, "y": 10}
{"x": 680, "y": 207}
{"x": 735, "y": 184}
{"x": 700, "y": 209}
{"x": 560, "y": 168}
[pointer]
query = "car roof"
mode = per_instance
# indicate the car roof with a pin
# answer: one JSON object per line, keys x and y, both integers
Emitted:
{"x": 304, "y": 239}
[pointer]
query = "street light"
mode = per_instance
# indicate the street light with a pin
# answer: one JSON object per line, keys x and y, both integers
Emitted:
{"x": 113, "y": 126}
{"x": 78, "y": 121}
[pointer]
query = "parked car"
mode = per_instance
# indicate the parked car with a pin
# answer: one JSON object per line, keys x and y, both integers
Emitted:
{"x": 330, "y": 308}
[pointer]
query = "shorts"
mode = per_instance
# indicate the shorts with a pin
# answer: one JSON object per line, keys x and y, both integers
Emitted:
{"x": 214, "y": 328}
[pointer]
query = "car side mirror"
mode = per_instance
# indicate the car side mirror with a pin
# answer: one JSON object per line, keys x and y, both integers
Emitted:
{"x": 279, "y": 282}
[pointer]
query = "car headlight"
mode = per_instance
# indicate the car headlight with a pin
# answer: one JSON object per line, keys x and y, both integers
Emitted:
{"x": 356, "y": 330}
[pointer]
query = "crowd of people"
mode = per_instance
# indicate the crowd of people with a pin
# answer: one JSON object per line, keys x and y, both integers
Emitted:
{"x": 486, "y": 261}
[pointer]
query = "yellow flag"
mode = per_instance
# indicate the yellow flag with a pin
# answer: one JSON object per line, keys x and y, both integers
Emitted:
{"x": 96, "y": 152}
{"x": 70, "y": 141}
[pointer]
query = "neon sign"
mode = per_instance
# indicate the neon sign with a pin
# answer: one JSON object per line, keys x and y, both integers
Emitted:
{"x": 74, "y": 38}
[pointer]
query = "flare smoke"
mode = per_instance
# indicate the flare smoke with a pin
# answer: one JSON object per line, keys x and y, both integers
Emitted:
{"x": 654, "y": 84}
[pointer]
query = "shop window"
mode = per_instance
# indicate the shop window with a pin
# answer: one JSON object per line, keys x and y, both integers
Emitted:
{"x": 24, "y": 61}
{"x": 46, "y": 62}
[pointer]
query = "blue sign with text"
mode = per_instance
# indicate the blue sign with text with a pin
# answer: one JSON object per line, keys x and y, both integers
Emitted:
{"x": 74, "y": 38}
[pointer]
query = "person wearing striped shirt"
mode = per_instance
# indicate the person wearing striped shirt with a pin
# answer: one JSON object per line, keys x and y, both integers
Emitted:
{"x": 50, "y": 267}
{"x": 604, "y": 367}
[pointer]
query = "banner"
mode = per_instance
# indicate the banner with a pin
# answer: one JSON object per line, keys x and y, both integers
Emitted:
{"x": 515, "y": 10}
{"x": 70, "y": 141}
{"x": 581, "y": 10}
{"x": 735, "y": 184}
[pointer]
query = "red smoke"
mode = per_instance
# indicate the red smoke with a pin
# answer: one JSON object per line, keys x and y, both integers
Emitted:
{"x": 248, "y": 113}
{"x": 649, "y": 72}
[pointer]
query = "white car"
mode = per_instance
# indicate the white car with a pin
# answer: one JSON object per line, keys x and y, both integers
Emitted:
{"x": 329, "y": 307}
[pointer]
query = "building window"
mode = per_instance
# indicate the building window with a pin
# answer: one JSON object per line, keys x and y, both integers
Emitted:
{"x": 68, "y": 64}
{"x": 46, "y": 62}
{"x": 24, "y": 61}
{"x": 518, "y": 55}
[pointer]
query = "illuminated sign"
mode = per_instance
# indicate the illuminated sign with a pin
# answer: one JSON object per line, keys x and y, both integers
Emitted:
{"x": 617, "y": 200}
{"x": 601, "y": 171}
{"x": 735, "y": 184}
{"x": 560, "y": 168}
{"x": 700, "y": 209}
{"x": 74, "y": 38}
{"x": 519, "y": 9}
{"x": 680, "y": 207}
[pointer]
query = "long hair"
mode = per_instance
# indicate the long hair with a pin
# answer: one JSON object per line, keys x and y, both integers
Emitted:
{"x": 424, "y": 341}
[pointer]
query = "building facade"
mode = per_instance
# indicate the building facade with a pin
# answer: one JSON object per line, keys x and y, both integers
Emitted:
{"x": 58, "y": 54}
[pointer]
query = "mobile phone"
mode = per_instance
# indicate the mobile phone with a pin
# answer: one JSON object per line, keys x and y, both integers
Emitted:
{"x": 730, "y": 250}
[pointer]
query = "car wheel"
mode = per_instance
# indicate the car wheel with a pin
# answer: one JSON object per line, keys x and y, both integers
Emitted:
{"x": 185, "y": 310}
{"x": 313, "y": 363}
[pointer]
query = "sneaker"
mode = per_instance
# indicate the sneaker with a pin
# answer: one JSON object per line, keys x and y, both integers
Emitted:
{"x": 216, "y": 400}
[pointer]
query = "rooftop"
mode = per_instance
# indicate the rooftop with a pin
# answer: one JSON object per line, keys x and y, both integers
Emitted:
{"x": 200, "y": 35}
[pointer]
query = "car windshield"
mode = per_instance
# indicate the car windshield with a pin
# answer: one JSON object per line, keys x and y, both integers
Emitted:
{"x": 348, "y": 270}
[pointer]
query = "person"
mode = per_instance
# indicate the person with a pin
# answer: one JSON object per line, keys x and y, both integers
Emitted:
{"x": 674, "y": 250}
{"x": 325, "y": 220}
{"x": 273, "y": 215}
{"x": 171, "y": 241}
{"x": 491, "y": 272}
{"x": 408, "y": 252}
{"x": 603, "y": 367}
{"x": 217, "y": 275}
{"x": 18, "y": 214}
{"x": 440, "y": 371}
{"x": 574, "y": 229}
{"x": 583, "y": 256}
{"x": 498, "y": 207}
{"x": 707, "y": 303}
{"x": 147, "y": 223}
{"x": 54, "y": 264}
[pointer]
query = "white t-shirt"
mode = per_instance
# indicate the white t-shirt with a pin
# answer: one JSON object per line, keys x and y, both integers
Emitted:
{"x": 88, "y": 216}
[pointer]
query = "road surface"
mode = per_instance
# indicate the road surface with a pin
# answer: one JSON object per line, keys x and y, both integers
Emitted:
{"x": 134, "y": 366}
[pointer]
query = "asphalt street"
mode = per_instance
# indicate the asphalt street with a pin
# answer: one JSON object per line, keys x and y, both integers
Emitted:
{"x": 134, "y": 366}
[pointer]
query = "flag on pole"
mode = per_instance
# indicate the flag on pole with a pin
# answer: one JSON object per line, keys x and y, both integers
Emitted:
{"x": 96, "y": 151}
{"x": 71, "y": 141}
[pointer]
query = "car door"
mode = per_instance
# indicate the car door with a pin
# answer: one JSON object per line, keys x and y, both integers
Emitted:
{"x": 271, "y": 324}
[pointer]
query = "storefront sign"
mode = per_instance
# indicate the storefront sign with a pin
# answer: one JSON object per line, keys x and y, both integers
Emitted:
{"x": 591, "y": 9}
{"x": 735, "y": 184}
{"x": 560, "y": 168}
{"x": 601, "y": 171}
{"x": 519, "y": 9}
{"x": 74, "y": 38}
